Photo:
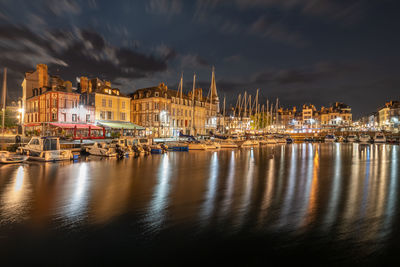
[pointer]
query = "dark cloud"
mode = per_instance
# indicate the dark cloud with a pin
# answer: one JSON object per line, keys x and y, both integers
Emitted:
{"x": 275, "y": 30}
{"x": 164, "y": 7}
{"x": 74, "y": 53}
{"x": 94, "y": 38}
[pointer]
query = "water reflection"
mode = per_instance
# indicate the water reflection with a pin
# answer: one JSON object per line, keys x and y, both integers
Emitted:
{"x": 14, "y": 206}
{"x": 347, "y": 190}
{"x": 159, "y": 202}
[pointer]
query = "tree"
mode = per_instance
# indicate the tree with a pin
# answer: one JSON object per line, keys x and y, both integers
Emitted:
{"x": 10, "y": 120}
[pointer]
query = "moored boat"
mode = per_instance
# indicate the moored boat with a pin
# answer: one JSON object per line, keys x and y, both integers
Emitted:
{"x": 365, "y": 138}
{"x": 8, "y": 158}
{"x": 351, "y": 138}
{"x": 101, "y": 149}
{"x": 329, "y": 138}
{"x": 380, "y": 138}
{"x": 45, "y": 149}
{"x": 227, "y": 143}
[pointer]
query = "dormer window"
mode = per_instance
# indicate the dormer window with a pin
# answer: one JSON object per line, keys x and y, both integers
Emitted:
{"x": 156, "y": 94}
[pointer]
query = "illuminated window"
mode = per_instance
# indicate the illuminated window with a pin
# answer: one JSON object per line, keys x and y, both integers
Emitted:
{"x": 156, "y": 117}
{"x": 123, "y": 116}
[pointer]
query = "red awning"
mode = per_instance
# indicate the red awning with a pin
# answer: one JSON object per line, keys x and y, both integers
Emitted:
{"x": 31, "y": 124}
{"x": 78, "y": 126}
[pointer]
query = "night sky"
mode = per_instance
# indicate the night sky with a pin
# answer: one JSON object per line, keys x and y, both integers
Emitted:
{"x": 302, "y": 51}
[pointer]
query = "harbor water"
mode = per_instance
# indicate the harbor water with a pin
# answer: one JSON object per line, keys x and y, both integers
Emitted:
{"x": 299, "y": 203}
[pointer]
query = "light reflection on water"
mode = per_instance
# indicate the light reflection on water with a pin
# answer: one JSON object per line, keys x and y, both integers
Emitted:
{"x": 344, "y": 191}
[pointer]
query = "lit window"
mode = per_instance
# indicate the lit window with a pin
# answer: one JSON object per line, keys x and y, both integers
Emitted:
{"x": 123, "y": 116}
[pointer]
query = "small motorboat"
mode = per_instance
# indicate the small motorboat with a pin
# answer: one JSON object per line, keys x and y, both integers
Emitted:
{"x": 289, "y": 140}
{"x": 45, "y": 149}
{"x": 101, "y": 149}
{"x": 227, "y": 144}
{"x": 197, "y": 146}
{"x": 330, "y": 138}
{"x": 8, "y": 158}
{"x": 365, "y": 139}
{"x": 351, "y": 138}
{"x": 380, "y": 138}
{"x": 280, "y": 139}
{"x": 250, "y": 143}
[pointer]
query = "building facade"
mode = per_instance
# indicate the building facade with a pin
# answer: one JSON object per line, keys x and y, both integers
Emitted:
{"x": 388, "y": 116}
{"x": 165, "y": 112}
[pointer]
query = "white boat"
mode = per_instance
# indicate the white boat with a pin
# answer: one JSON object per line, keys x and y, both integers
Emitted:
{"x": 8, "y": 158}
{"x": 280, "y": 139}
{"x": 238, "y": 142}
{"x": 351, "y": 138}
{"x": 227, "y": 143}
{"x": 45, "y": 149}
{"x": 212, "y": 145}
{"x": 197, "y": 146}
{"x": 250, "y": 143}
{"x": 330, "y": 138}
{"x": 379, "y": 138}
{"x": 144, "y": 143}
{"x": 266, "y": 140}
{"x": 101, "y": 149}
{"x": 365, "y": 138}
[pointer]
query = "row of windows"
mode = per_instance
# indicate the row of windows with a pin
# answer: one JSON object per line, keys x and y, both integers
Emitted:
{"x": 109, "y": 115}
{"x": 110, "y": 103}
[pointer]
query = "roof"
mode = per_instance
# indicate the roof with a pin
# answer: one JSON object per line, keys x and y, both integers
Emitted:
{"x": 75, "y": 125}
{"x": 120, "y": 125}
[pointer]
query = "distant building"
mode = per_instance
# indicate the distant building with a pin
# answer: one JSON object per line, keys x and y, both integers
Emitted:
{"x": 287, "y": 118}
{"x": 337, "y": 115}
{"x": 311, "y": 117}
{"x": 388, "y": 116}
{"x": 166, "y": 112}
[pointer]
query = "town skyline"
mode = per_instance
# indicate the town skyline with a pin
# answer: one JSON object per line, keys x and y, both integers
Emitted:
{"x": 301, "y": 52}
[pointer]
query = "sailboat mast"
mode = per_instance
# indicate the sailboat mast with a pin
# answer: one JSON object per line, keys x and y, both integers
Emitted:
{"x": 193, "y": 102}
{"x": 4, "y": 100}
{"x": 245, "y": 103}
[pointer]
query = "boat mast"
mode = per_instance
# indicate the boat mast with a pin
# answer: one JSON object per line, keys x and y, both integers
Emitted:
{"x": 276, "y": 110}
{"x": 4, "y": 100}
{"x": 193, "y": 104}
{"x": 245, "y": 105}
